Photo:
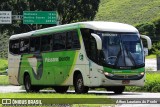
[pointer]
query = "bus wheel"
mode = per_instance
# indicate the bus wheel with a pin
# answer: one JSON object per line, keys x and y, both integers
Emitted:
{"x": 79, "y": 85}
{"x": 61, "y": 89}
{"x": 116, "y": 89}
{"x": 28, "y": 86}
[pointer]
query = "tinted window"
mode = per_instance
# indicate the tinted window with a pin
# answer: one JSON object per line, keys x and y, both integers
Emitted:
{"x": 69, "y": 41}
{"x": 35, "y": 44}
{"x": 14, "y": 46}
{"x": 46, "y": 43}
{"x": 24, "y": 45}
{"x": 59, "y": 41}
{"x": 75, "y": 42}
{"x": 72, "y": 40}
{"x": 90, "y": 44}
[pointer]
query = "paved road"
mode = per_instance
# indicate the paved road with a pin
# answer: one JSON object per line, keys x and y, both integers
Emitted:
{"x": 13, "y": 89}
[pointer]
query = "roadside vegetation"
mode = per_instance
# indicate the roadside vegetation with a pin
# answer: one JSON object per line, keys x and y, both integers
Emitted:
{"x": 4, "y": 80}
{"x": 3, "y": 65}
{"x": 152, "y": 83}
{"x": 128, "y": 11}
{"x": 152, "y": 56}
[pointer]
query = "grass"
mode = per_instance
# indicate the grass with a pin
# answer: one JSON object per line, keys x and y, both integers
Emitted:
{"x": 128, "y": 11}
{"x": 4, "y": 80}
{"x": 3, "y": 65}
{"x": 151, "y": 56}
{"x": 48, "y": 95}
{"x": 63, "y": 98}
{"x": 152, "y": 83}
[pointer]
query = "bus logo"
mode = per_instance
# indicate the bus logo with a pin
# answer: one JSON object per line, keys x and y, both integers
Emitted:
{"x": 6, "y": 101}
{"x": 81, "y": 56}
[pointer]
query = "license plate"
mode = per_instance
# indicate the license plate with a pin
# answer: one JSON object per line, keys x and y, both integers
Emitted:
{"x": 125, "y": 81}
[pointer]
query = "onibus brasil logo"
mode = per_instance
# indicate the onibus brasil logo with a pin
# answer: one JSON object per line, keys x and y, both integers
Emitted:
{"x": 13, "y": 102}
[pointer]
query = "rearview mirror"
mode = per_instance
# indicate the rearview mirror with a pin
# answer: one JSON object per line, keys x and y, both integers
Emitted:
{"x": 149, "y": 42}
{"x": 145, "y": 51}
{"x": 98, "y": 41}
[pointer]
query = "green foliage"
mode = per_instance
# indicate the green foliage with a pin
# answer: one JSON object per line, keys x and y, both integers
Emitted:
{"x": 3, "y": 65}
{"x": 128, "y": 11}
{"x": 4, "y": 80}
{"x": 77, "y": 10}
{"x": 152, "y": 83}
{"x": 156, "y": 48}
{"x": 151, "y": 56}
{"x": 157, "y": 25}
{"x": 146, "y": 28}
{"x": 68, "y": 10}
{"x": 4, "y": 44}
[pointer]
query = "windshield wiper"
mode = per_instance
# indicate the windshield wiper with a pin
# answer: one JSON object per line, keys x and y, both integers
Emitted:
{"x": 130, "y": 56}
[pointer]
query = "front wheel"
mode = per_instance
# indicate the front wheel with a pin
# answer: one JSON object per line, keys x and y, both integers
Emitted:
{"x": 28, "y": 86}
{"x": 79, "y": 85}
{"x": 116, "y": 89}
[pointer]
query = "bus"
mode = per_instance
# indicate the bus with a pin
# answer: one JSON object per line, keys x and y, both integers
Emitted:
{"x": 93, "y": 54}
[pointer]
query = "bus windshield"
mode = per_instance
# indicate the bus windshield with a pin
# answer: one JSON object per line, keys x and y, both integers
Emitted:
{"x": 122, "y": 50}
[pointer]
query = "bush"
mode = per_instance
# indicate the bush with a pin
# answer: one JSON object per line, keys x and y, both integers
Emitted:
{"x": 157, "y": 25}
{"x": 146, "y": 28}
{"x": 155, "y": 48}
{"x": 3, "y": 64}
{"x": 152, "y": 83}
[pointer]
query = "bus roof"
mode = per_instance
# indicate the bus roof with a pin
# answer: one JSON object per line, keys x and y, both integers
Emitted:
{"x": 95, "y": 25}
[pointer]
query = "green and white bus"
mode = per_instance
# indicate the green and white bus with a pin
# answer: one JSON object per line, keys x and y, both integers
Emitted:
{"x": 84, "y": 55}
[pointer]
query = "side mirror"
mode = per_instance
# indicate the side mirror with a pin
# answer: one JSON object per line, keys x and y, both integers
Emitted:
{"x": 145, "y": 51}
{"x": 98, "y": 41}
{"x": 149, "y": 42}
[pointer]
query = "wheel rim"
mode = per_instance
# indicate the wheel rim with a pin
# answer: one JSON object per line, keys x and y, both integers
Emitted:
{"x": 79, "y": 84}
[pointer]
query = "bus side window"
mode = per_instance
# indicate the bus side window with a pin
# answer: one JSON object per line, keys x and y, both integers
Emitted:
{"x": 24, "y": 45}
{"x": 72, "y": 40}
{"x": 35, "y": 44}
{"x": 46, "y": 43}
{"x": 75, "y": 42}
{"x": 14, "y": 46}
{"x": 69, "y": 40}
{"x": 59, "y": 41}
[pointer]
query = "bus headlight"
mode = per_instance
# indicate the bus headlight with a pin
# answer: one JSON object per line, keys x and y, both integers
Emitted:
{"x": 108, "y": 74}
{"x": 105, "y": 73}
{"x": 142, "y": 73}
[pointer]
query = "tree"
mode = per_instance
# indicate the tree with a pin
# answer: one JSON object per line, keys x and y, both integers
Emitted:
{"x": 69, "y": 11}
{"x": 77, "y": 10}
{"x": 147, "y": 29}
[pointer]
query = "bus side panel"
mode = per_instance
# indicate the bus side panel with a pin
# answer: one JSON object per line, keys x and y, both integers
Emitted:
{"x": 95, "y": 75}
{"x": 31, "y": 64}
{"x": 13, "y": 68}
{"x": 59, "y": 63}
{"x": 80, "y": 63}
{"x": 51, "y": 68}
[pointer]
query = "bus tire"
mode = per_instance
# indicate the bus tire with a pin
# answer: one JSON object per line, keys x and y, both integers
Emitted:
{"x": 116, "y": 89}
{"x": 61, "y": 89}
{"x": 28, "y": 86}
{"x": 79, "y": 85}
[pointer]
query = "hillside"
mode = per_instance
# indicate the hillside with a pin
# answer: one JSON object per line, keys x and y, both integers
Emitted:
{"x": 128, "y": 11}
